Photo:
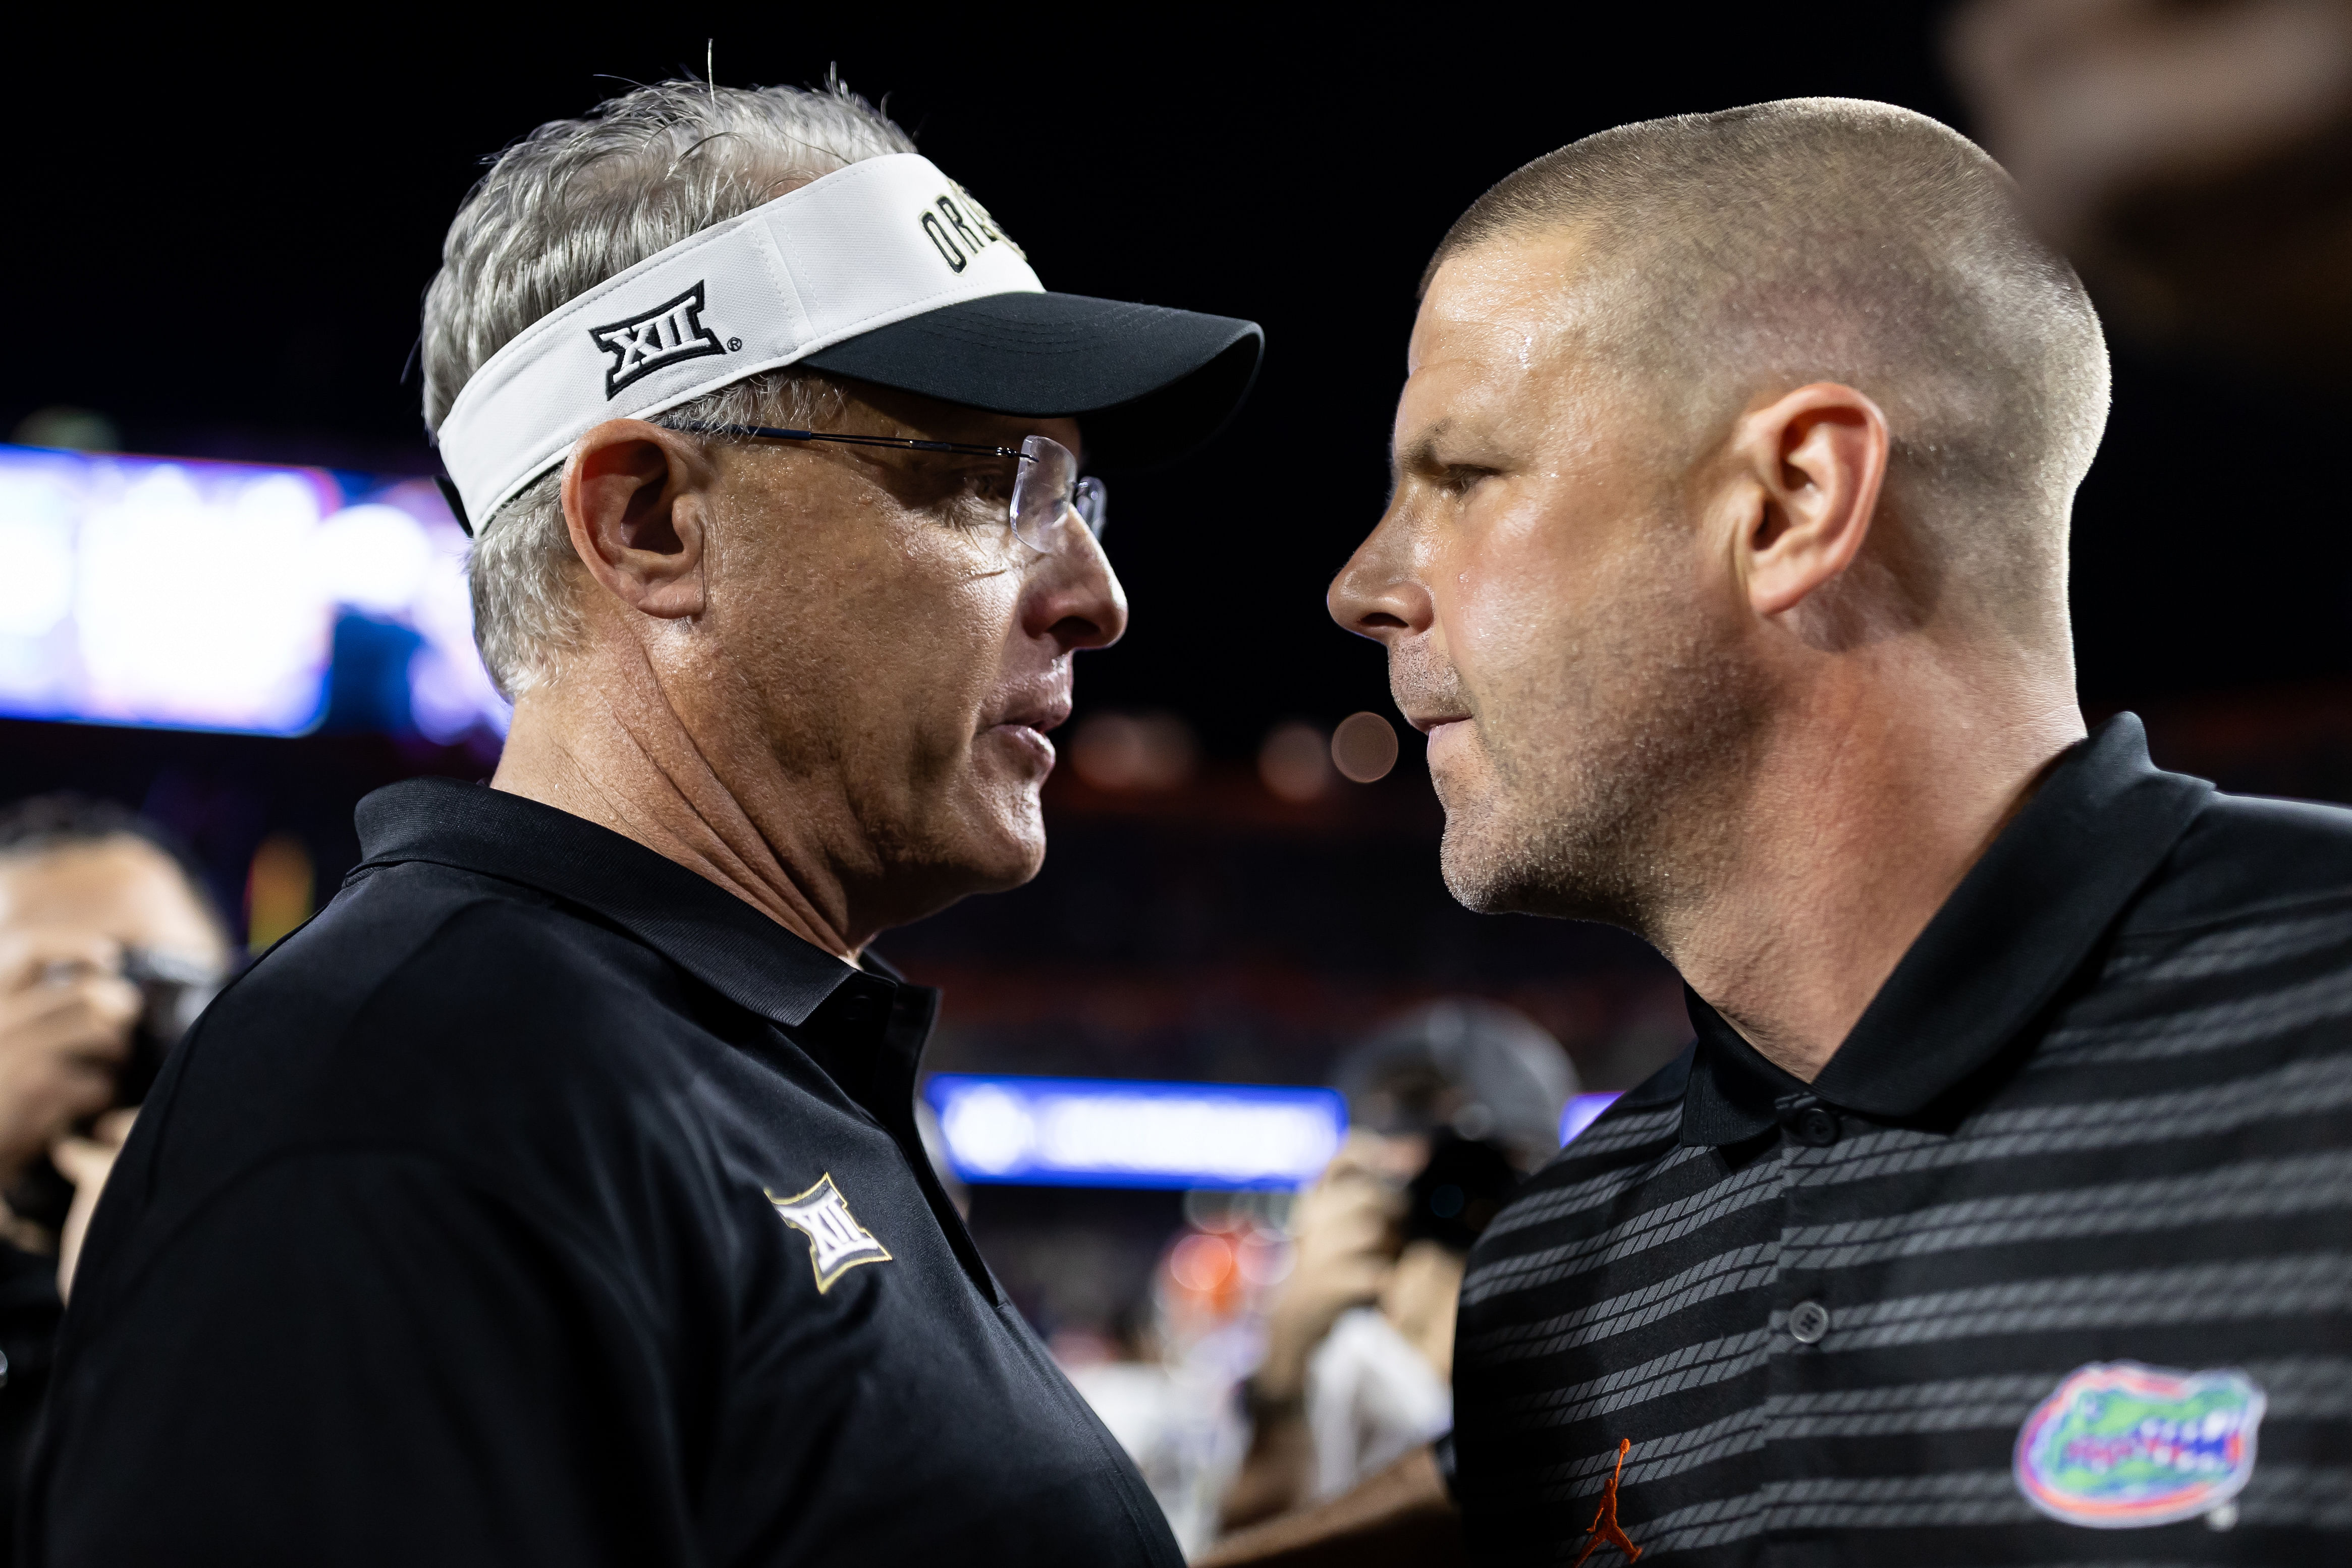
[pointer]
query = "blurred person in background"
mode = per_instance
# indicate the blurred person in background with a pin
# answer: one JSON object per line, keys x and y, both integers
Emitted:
{"x": 1449, "y": 1106}
{"x": 109, "y": 946}
{"x": 555, "y": 1195}
{"x": 1162, "y": 1404}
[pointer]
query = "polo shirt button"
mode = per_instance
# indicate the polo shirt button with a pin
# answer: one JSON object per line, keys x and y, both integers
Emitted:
{"x": 1817, "y": 1125}
{"x": 1808, "y": 1321}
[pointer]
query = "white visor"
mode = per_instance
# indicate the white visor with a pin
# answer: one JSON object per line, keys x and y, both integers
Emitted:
{"x": 866, "y": 246}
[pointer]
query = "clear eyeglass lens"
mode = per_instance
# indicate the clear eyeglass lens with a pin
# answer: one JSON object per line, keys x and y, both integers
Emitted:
{"x": 1092, "y": 503}
{"x": 1047, "y": 490}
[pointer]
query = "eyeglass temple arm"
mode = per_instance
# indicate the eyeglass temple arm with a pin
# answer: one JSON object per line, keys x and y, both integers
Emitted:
{"x": 775, "y": 434}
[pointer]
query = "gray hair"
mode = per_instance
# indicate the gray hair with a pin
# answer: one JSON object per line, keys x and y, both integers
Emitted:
{"x": 569, "y": 205}
{"x": 1760, "y": 248}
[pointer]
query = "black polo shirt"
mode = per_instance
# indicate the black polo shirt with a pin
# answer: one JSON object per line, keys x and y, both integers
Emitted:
{"x": 2052, "y": 1263}
{"x": 541, "y": 1202}
{"x": 29, "y": 1310}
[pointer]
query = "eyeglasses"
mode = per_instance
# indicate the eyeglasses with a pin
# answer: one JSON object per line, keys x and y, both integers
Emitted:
{"x": 1047, "y": 490}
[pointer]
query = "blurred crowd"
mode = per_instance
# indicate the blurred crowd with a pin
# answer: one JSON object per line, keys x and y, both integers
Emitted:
{"x": 1288, "y": 1350}
{"x": 110, "y": 946}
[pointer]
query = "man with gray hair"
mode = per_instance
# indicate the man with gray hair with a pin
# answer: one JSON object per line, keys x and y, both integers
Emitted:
{"x": 1998, "y": 1213}
{"x": 556, "y": 1196}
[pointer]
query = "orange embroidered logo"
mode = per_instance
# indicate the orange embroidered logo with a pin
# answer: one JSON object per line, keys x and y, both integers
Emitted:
{"x": 1604, "y": 1525}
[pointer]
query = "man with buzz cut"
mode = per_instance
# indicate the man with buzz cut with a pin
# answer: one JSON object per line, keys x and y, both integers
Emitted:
{"x": 555, "y": 1196}
{"x": 2001, "y": 1211}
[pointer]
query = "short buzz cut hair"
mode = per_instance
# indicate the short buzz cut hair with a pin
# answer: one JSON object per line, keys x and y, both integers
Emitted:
{"x": 573, "y": 203}
{"x": 1757, "y": 249}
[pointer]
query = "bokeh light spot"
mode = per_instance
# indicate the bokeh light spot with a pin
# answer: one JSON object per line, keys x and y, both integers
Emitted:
{"x": 1295, "y": 763}
{"x": 1364, "y": 747}
{"x": 1203, "y": 1262}
{"x": 1135, "y": 751}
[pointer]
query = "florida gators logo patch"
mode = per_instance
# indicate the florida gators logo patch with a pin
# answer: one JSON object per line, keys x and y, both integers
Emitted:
{"x": 2118, "y": 1446}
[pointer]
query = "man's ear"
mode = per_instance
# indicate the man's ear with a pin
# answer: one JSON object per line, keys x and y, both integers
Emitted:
{"x": 1815, "y": 461}
{"x": 635, "y": 499}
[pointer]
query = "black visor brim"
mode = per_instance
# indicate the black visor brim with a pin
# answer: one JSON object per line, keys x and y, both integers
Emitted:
{"x": 1148, "y": 385}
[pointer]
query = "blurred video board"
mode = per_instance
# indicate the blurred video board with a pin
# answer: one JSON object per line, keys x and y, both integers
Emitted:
{"x": 1091, "y": 1132}
{"x": 229, "y": 596}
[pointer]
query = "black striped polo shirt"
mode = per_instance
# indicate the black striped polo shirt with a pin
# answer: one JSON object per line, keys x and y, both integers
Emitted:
{"x": 2052, "y": 1262}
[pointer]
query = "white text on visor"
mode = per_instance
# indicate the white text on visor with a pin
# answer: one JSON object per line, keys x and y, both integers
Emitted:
{"x": 866, "y": 246}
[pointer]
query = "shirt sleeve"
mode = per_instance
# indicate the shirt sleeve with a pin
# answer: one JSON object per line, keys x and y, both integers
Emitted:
{"x": 358, "y": 1359}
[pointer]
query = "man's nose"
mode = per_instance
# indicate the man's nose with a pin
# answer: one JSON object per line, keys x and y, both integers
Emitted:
{"x": 1073, "y": 596}
{"x": 1379, "y": 593}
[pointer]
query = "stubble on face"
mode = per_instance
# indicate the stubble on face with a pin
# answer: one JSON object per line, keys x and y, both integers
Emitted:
{"x": 1599, "y": 764}
{"x": 1611, "y": 711}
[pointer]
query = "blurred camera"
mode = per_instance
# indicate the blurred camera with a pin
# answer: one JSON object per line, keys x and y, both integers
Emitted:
{"x": 173, "y": 991}
{"x": 1465, "y": 1185}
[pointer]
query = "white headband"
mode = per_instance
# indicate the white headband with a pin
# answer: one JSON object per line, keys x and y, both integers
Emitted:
{"x": 872, "y": 244}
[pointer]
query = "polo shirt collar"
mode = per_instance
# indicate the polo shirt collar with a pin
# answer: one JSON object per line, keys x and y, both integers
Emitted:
{"x": 698, "y": 925}
{"x": 2022, "y": 920}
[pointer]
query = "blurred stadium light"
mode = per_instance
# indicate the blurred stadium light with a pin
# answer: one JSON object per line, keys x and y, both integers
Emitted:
{"x": 1092, "y": 1132}
{"x": 1582, "y": 1111}
{"x": 227, "y": 596}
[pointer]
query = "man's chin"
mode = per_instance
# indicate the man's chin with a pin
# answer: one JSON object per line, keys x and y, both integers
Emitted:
{"x": 1475, "y": 858}
{"x": 1496, "y": 866}
{"x": 1016, "y": 861}
{"x": 1002, "y": 844}
{"x": 1477, "y": 878}
{"x": 947, "y": 876}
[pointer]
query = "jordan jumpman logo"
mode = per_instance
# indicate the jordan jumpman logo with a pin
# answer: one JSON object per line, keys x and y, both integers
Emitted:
{"x": 1604, "y": 1525}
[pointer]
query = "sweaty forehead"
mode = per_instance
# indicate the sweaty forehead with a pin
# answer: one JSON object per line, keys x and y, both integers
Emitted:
{"x": 1495, "y": 327}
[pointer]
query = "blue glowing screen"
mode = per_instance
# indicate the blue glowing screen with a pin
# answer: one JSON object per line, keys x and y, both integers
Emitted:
{"x": 1099, "y": 1132}
{"x": 232, "y": 596}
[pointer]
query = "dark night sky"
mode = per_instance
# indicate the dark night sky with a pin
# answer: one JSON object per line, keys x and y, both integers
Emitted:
{"x": 220, "y": 239}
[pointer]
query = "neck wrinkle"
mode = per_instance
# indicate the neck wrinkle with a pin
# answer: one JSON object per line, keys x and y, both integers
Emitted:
{"x": 637, "y": 768}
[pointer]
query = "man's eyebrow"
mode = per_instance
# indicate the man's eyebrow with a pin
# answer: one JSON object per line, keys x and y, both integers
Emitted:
{"x": 1420, "y": 453}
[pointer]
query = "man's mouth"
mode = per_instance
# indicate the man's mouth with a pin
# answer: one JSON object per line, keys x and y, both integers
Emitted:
{"x": 1044, "y": 717}
{"x": 1027, "y": 724}
{"x": 1429, "y": 724}
{"x": 1446, "y": 736}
